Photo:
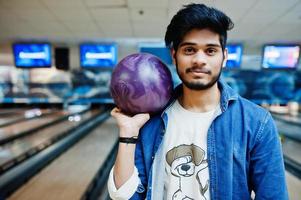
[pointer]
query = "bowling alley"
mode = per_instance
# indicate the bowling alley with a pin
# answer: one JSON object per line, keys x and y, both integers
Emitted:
{"x": 150, "y": 99}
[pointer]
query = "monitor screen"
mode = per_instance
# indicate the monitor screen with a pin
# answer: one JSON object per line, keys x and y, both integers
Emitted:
{"x": 98, "y": 55}
{"x": 161, "y": 52}
{"x": 31, "y": 55}
{"x": 234, "y": 56}
{"x": 280, "y": 56}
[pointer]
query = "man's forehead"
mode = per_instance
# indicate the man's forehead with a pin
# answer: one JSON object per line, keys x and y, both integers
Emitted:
{"x": 204, "y": 37}
{"x": 200, "y": 43}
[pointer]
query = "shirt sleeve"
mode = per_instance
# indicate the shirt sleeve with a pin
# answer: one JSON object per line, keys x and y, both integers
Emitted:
{"x": 267, "y": 166}
{"x": 127, "y": 190}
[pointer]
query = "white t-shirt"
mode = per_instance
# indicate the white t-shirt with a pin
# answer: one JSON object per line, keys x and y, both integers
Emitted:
{"x": 185, "y": 149}
{"x": 185, "y": 152}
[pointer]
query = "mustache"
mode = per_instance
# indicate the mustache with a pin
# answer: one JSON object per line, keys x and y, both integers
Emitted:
{"x": 198, "y": 69}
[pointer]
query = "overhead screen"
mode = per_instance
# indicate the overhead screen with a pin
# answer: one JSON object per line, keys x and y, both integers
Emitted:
{"x": 234, "y": 56}
{"x": 31, "y": 55}
{"x": 279, "y": 56}
{"x": 161, "y": 52}
{"x": 98, "y": 55}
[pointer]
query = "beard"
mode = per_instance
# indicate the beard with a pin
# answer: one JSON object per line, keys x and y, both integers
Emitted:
{"x": 197, "y": 85}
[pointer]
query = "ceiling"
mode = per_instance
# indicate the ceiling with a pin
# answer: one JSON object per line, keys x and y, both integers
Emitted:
{"x": 74, "y": 21}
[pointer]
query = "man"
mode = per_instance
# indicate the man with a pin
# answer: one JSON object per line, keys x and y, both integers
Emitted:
{"x": 209, "y": 142}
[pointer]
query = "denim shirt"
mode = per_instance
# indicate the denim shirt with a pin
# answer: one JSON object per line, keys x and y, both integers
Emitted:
{"x": 243, "y": 152}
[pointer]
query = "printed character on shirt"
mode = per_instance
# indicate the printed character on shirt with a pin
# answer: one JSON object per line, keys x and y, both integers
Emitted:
{"x": 186, "y": 164}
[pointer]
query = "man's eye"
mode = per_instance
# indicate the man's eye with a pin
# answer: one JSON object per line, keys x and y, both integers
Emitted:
{"x": 211, "y": 51}
{"x": 188, "y": 50}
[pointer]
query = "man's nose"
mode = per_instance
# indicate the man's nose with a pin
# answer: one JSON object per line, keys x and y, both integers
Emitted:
{"x": 199, "y": 59}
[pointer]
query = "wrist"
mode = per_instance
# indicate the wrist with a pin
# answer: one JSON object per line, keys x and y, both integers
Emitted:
{"x": 128, "y": 140}
{"x": 128, "y": 133}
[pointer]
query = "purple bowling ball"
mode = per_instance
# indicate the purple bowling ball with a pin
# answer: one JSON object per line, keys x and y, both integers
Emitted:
{"x": 141, "y": 83}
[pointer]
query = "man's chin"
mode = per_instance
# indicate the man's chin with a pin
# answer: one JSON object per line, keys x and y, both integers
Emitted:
{"x": 198, "y": 86}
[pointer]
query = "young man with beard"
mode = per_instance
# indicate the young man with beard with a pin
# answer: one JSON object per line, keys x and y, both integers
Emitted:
{"x": 209, "y": 142}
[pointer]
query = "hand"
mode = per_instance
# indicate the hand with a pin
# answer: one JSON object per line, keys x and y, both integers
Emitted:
{"x": 129, "y": 125}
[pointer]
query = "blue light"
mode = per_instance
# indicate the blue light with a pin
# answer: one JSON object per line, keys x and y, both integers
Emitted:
{"x": 234, "y": 55}
{"x": 280, "y": 56}
{"x": 98, "y": 55}
{"x": 28, "y": 55}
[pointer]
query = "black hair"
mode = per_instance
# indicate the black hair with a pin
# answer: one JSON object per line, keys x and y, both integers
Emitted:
{"x": 197, "y": 16}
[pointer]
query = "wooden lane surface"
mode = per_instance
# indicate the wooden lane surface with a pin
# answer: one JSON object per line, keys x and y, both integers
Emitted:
{"x": 289, "y": 130}
{"x": 289, "y": 118}
{"x": 11, "y": 111}
{"x": 22, "y": 114}
{"x": 293, "y": 186}
{"x": 20, "y": 146}
{"x": 16, "y": 128}
{"x": 68, "y": 176}
{"x": 292, "y": 149}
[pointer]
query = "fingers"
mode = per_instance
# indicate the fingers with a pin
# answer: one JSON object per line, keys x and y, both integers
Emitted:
{"x": 118, "y": 114}
{"x": 115, "y": 111}
{"x": 145, "y": 116}
{"x": 142, "y": 118}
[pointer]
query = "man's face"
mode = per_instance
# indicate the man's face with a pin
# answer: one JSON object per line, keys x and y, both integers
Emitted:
{"x": 199, "y": 59}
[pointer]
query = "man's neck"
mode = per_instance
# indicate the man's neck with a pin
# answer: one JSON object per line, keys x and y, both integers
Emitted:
{"x": 200, "y": 100}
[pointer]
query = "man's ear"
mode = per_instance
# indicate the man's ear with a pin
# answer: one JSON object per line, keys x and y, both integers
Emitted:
{"x": 225, "y": 57}
{"x": 173, "y": 55}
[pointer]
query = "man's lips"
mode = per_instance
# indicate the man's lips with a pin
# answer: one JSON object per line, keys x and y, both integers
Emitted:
{"x": 197, "y": 70}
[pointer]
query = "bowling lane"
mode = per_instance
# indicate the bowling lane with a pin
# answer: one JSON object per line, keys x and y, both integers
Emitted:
{"x": 69, "y": 175}
{"x": 12, "y": 111}
{"x": 25, "y": 115}
{"x": 8, "y": 119}
{"x": 39, "y": 139}
{"x": 288, "y": 129}
{"x": 296, "y": 120}
{"x": 17, "y": 128}
{"x": 292, "y": 149}
{"x": 9, "y": 111}
{"x": 293, "y": 186}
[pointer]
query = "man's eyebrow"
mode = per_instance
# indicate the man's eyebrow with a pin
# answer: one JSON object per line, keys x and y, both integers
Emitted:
{"x": 213, "y": 45}
{"x": 193, "y": 44}
{"x": 186, "y": 44}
